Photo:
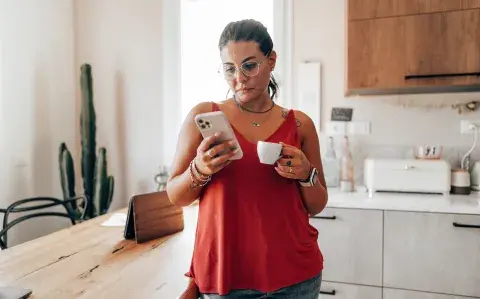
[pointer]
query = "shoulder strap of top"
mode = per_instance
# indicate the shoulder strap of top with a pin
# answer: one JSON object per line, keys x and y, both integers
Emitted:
{"x": 290, "y": 118}
{"x": 292, "y": 125}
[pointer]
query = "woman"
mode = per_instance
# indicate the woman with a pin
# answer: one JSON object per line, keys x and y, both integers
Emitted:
{"x": 253, "y": 235}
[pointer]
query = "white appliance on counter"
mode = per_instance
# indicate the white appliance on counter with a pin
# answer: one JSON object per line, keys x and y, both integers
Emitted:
{"x": 407, "y": 175}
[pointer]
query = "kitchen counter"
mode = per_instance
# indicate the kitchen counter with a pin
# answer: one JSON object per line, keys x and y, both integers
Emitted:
{"x": 456, "y": 204}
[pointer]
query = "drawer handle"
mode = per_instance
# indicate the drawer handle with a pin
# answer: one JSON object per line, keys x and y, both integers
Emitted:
{"x": 465, "y": 225}
{"x": 331, "y": 293}
{"x": 325, "y": 217}
{"x": 408, "y": 77}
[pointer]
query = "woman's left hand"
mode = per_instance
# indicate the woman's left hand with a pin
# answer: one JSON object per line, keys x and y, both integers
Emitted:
{"x": 294, "y": 164}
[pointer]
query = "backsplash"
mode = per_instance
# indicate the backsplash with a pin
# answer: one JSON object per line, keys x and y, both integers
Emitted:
{"x": 360, "y": 151}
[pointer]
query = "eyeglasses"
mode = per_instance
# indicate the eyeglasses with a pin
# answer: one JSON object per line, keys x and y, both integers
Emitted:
{"x": 249, "y": 68}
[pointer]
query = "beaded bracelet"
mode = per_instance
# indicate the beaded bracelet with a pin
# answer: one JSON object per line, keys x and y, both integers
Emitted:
{"x": 200, "y": 176}
{"x": 195, "y": 179}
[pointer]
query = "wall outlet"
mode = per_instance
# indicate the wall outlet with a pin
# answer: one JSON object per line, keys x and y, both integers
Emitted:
{"x": 348, "y": 128}
{"x": 465, "y": 123}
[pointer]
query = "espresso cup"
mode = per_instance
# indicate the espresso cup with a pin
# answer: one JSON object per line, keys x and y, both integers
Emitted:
{"x": 269, "y": 152}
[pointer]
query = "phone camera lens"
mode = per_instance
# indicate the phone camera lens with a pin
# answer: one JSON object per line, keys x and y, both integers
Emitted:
{"x": 200, "y": 121}
{"x": 207, "y": 123}
{"x": 203, "y": 126}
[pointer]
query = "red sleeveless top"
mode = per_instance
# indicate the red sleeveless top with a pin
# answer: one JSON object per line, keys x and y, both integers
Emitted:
{"x": 253, "y": 231}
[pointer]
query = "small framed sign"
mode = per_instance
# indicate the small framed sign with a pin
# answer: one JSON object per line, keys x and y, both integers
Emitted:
{"x": 341, "y": 114}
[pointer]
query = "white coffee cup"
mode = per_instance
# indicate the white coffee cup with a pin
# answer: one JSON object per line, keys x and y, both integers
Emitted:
{"x": 269, "y": 152}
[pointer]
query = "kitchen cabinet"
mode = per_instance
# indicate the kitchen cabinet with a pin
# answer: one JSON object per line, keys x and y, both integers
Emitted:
{"x": 443, "y": 44}
{"x": 376, "y": 55}
{"x": 404, "y": 294}
{"x": 418, "y": 53}
{"x": 330, "y": 290}
{"x": 351, "y": 241}
{"x": 372, "y": 9}
{"x": 469, "y": 4}
{"x": 431, "y": 252}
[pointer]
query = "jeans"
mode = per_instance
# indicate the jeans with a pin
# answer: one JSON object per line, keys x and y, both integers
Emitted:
{"x": 308, "y": 289}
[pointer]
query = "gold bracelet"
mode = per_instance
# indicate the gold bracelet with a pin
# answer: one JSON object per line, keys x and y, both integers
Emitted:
{"x": 195, "y": 180}
{"x": 199, "y": 175}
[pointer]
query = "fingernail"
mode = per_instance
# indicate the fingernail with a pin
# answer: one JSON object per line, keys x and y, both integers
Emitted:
{"x": 217, "y": 134}
{"x": 232, "y": 142}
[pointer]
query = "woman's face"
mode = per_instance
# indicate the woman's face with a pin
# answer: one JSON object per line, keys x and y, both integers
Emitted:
{"x": 246, "y": 69}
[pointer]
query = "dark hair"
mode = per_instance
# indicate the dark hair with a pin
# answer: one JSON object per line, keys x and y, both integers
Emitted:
{"x": 250, "y": 30}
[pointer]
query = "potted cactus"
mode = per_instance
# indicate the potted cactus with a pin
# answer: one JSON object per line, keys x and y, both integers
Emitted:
{"x": 98, "y": 186}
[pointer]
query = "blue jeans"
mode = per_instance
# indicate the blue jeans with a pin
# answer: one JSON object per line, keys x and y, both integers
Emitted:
{"x": 308, "y": 289}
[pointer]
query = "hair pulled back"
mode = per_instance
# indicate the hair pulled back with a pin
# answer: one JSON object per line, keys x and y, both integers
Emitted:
{"x": 250, "y": 30}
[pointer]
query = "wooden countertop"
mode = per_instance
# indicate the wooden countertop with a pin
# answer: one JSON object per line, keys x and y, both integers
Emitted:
{"x": 93, "y": 261}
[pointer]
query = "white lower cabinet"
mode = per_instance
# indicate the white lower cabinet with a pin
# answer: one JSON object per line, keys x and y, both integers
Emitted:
{"x": 403, "y": 294}
{"x": 432, "y": 252}
{"x": 351, "y": 243}
{"x": 330, "y": 290}
{"x": 380, "y": 254}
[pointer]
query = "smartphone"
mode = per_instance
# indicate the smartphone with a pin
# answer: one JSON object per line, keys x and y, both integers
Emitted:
{"x": 212, "y": 122}
{"x": 14, "y": 293}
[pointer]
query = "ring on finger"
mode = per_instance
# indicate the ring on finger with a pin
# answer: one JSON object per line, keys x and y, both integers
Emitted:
{"x": 210, "y": 154}
{"x": 290, "y": 169}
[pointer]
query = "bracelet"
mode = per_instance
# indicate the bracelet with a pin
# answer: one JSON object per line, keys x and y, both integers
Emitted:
{"x": 197, "y": 181}
{"x": 199, "y": 175}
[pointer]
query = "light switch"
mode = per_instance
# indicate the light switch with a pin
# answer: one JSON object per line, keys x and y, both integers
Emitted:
{"x": 336, "y": 128}
{"x": 348, "y": 128}
{"x": 358, "y": 128}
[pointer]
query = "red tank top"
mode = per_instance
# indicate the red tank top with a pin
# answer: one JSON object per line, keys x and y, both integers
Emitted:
{"x": 253, "y": 231}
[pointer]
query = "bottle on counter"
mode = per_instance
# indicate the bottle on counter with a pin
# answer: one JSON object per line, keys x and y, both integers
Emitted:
{"x": 347, "y": 178}
{"x": 331, "y": 165}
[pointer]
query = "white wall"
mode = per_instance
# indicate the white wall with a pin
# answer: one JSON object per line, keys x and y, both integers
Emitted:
{"x": 122, "y": 40}
{"x": 319, "y": 35}
{"x": 37, "y": 103}
{"x": 43, "y": 46}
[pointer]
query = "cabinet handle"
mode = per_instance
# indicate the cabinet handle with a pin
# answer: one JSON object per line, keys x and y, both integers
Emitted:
{"x": 331, "y": 293}
{"x": 409, "y": 77}
{"x": 465, "y": 225}
{"x": 325, "y": 217}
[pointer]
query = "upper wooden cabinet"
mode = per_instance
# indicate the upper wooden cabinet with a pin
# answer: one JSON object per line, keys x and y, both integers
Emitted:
{"x": 429, "y": 52}
{"x": 443, "y": 48}
{"x": 372, "y": 9}
{"x": 467, "y": 4}
{"x": 376, "y": 55}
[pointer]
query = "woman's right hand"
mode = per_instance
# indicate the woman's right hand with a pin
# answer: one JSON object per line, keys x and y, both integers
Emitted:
{"x": 212, "y": 158}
